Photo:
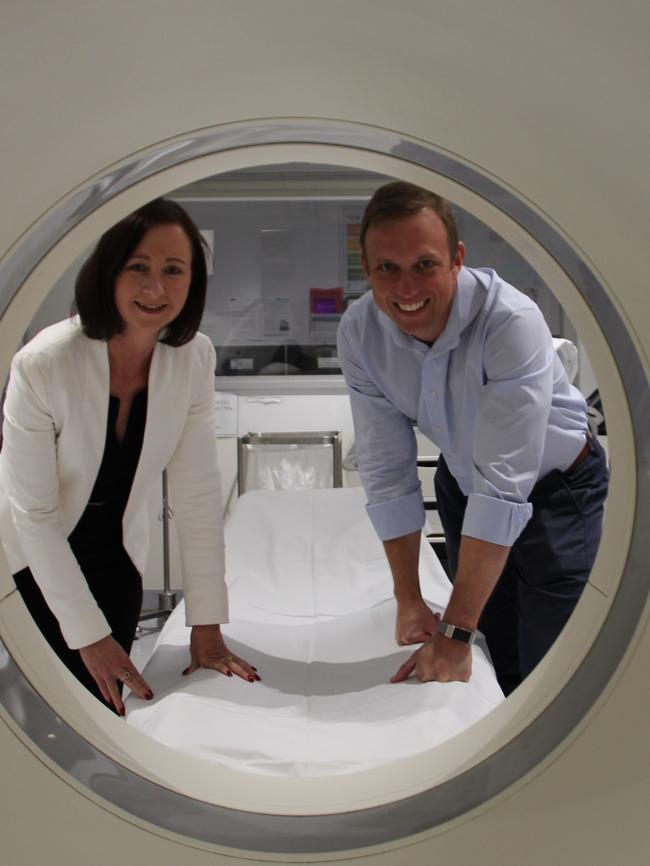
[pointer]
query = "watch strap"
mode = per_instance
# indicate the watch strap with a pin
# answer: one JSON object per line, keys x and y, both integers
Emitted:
{"x": 455, "y": 632}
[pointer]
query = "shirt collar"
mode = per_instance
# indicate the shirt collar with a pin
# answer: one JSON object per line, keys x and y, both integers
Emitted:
{"x": 467, "y": 301}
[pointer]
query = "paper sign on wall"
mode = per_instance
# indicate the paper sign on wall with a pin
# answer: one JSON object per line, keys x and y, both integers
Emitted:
{"x": 225, "y": 405}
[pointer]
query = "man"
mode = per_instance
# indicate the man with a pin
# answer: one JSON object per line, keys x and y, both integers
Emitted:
{"x": 520, "y": 483}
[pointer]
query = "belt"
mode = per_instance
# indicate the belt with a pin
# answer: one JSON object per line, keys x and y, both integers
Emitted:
{"x": 582, "y": 454}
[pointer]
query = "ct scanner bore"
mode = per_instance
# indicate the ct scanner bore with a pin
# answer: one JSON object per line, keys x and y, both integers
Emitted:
{"x": 314, "y": 833}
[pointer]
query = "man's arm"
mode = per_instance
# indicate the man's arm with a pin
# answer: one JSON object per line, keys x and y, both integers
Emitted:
{"x": 443, "y": 659}
{"x": 509, "y": 435}
{"x": 415, "y": 621}
{"x": 480, "y": 564}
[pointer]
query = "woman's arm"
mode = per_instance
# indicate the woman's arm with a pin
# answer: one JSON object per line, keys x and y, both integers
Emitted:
{"x": 195, "y": 490}
{"x": 29, "y": 469}
{"x": 195, "y": 487}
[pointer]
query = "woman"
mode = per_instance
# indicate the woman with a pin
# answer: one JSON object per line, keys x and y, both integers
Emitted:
{"x": 96, "y": 408}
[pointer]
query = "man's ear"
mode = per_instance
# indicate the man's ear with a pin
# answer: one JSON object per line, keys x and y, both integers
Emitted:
{"x": 459, "y": 258}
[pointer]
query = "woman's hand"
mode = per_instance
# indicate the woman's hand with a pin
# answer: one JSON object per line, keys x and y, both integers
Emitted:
{"x": 109, "y": 665}
{"x": 208, "y": 650}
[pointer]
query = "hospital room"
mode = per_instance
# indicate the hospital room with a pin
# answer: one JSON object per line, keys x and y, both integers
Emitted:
{"x": 349, "y": 566}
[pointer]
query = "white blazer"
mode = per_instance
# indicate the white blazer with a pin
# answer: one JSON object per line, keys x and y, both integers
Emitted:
{"x": 54, "y": 432}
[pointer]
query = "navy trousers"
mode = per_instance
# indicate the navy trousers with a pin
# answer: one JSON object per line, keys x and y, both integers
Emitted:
{"x": 548, "y": 566}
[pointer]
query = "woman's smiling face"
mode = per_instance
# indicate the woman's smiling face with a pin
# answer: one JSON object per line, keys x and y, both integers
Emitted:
{"x": 152, "y": 287}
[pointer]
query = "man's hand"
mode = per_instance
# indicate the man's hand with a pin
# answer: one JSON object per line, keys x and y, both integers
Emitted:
{"x": 416, "y": 623}
{"x": 441, "y": 659}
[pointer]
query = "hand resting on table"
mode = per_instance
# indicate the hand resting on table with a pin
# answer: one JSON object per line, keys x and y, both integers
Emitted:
{"x": 208, "y": 650}
{"x": 440, "y": 659}
{"x": 108, "y": 664}
{"x": 416, "y": 622}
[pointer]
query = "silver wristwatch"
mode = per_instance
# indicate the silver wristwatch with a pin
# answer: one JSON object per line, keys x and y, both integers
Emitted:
{"x": 455, "y": 632}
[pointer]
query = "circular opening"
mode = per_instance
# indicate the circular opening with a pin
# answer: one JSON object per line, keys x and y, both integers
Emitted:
{"x": 280, "y": 229}
{"x": 458, "y": 772}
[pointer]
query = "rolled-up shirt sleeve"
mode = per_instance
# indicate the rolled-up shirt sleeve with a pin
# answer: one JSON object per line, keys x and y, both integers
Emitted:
{"x": 385, "y": 448}
{"x": 510, "y": 427}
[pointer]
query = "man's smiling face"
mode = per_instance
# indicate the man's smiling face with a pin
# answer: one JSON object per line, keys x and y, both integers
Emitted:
{"x": 411, "y": 272}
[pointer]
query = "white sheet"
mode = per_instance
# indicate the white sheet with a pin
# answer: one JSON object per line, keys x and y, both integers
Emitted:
{"x": 312, "y": 609}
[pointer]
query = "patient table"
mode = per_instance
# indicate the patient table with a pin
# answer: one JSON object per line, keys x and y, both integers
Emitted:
{"x": 312, "y": 607}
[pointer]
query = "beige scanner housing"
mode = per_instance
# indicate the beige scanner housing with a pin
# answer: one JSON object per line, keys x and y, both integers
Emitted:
{"x": 532, "y": 117}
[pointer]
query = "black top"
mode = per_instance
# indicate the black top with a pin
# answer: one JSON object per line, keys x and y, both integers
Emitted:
{"x": 96, "y": 540}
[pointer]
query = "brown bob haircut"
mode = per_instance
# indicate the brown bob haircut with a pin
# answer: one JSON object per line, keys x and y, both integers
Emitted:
{"x": 400, "y": 199}
{"x": 95, "y": 284}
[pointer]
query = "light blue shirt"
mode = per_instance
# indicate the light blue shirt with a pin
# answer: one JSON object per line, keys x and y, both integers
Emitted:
{"x": 490, "y": 393}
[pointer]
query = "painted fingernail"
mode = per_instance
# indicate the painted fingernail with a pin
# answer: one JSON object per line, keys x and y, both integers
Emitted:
{"x": 148, "y": 696}
{"x": 257, "y": 678}
{"x": 254, "y": 668}
{"x": 229, "y": 673}
{"x": 251, "y": 679}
